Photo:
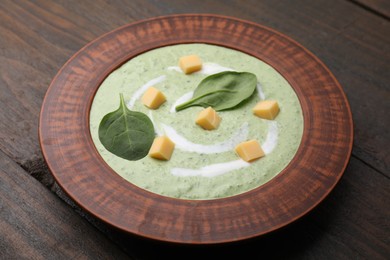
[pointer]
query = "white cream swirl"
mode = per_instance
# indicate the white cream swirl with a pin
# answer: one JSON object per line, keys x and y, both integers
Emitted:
{"x": 184, "y": 144}
{"x": 211, "y": 170}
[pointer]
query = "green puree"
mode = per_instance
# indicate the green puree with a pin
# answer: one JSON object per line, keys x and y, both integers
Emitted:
{"x": 156, "y": 176}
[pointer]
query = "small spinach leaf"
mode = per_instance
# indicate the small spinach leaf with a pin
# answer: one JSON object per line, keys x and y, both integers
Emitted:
{"x": 125, "y": 133}
{"x": 222, "y": 91}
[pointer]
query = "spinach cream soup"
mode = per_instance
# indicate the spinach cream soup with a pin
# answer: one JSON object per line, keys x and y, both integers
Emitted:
{"x": 203, "y": 164}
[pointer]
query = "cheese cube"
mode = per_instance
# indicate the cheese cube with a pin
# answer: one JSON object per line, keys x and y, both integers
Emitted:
{"x": 162, "y": 148}
{"x": 249, "y": 150}
{"x": 153, "y": 98}
{"x": 267, "y": 109}
{"x": 208, "y": 119}
{"x": 189, "y": 64}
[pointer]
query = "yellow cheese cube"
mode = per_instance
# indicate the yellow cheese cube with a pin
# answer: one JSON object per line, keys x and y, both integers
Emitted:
{"x": 153, "y": 98}
{"x": 162, "y": 148}
{"x": 208, "y": 119}
{"x": 267, "y": 109}
{"x": 249, "y": 150}
{"x": 190, "y": 64}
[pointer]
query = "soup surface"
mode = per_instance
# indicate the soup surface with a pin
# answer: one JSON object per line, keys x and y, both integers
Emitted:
{"x": 203, "y": 164}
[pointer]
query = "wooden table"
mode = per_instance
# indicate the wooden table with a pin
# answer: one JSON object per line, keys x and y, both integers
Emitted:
{"x": 38, "y": 221}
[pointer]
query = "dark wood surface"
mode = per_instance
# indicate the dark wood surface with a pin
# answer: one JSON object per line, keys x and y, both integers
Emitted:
{"x": 379, "y": 7}
{"x": 36, "y": 223}
{"x": 38, "y": 37}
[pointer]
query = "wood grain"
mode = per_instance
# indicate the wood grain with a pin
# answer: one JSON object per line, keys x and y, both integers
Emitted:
{"x": 76, "y": 165}
{"x": 36, "y": 224}
{"x": 381, "y": 7}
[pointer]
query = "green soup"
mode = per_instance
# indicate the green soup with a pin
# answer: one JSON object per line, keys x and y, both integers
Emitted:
{"x": 203, "y": 164}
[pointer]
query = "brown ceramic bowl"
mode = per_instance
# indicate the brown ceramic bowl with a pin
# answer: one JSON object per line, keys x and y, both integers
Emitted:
{"x": 81, "y": 172}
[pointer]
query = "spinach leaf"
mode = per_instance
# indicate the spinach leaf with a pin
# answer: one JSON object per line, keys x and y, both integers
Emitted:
{"x": 222, "y": 91}
{"x": 125, "y": 133}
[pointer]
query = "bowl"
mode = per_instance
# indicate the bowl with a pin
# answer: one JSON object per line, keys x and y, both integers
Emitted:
{"x": 80, "y": 171}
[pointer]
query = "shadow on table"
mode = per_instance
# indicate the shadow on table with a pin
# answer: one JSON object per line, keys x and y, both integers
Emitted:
{"x": 295, "y": 241}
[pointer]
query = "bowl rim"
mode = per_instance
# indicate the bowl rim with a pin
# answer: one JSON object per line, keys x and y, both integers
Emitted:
{"x": 182, "y": 17}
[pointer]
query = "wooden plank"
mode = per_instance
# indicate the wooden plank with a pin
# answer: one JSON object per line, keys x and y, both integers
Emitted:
{"x": 26, "y": 72}
{"x": 36, "y": 224}
{"x": 351, "y": 223}
{"x": 381, "y": 7}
